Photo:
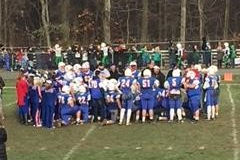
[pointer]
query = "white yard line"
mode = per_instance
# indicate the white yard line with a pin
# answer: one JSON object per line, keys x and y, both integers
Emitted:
{"x": 74, "y": 148}
{"x": 9, "y": 104}
{"x": 9, "y": 87}
{"x": 234, "y": 129}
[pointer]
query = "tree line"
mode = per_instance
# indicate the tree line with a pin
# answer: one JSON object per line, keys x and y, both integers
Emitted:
{"x": 46, "y": 22}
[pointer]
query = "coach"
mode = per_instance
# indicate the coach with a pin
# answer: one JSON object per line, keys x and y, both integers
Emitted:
{"x": 3, "y": 140}
{"x": 2, "y": 84}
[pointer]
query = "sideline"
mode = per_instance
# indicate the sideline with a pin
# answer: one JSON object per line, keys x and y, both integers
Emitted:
{"x": 234, "y": 130}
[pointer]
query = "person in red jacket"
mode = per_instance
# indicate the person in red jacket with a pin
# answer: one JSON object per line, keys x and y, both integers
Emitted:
{"x": 22, "y": 90}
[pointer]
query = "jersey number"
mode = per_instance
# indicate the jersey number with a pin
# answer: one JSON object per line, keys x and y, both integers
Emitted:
{"x": 93, "y": 84}
{"x": 61, "y": 100}
{"x": 174, "y": 82}
{"x": 146, "y": 83}
{"x": 125, "y": 83}
{"x": 82, "y": 100}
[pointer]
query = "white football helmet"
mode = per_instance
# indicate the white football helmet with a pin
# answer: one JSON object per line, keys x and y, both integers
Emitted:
{"x": 191, "y": 74}
{"x": 176, "y": 73}
{"x": 147, "y": 73}
{"x": 226, "y": 44}
{"x": 76, "y": 67}
{"x": 128, "y": 72}
{"x": 179, "y": 45}
{"x": 82, "y": 89}
{"x": 111, "y": 87}
{"x": 61, "y": 64}
{"x": 66, "y": 89}
{"x": 86, "y": 65}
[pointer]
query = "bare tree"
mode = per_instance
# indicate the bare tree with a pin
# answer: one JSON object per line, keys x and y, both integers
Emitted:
{"x": 5, "y": 22}
{"x": 65, "y": 4}
{"x": 144, "y": 30}
{"x": 45, "y": 20}
{"x": 107, "y": 21}
{"x": 226, "y": 20}
{"x": 183, "y": 20}
{"x": 1, "y": 22}
{"x": 201, "y": 18}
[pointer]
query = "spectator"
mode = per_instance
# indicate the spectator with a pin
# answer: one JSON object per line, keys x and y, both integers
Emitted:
{"x": 70, "y": 56}
{"x": 145, "y": 56}
{"x": 84, "y": 55}
{"x": 3, "y": 140}
{"x": 233, "y": 55}
{"x": 206, "y": 49}
{"x": 24, "y": 63}
{"x": 190, "y": 55}
{"x": 22, "y": 90}
{"x": 19, "y": 58}
{"x": 157, "y": 56}
{"x": 58, "y": 54}
{"x": 77, "y": 56}
{"x": 6, "y": 60}
{"x": 114, "y": 72}
{"x": 220, "y": 54}
{"x": 105, "y": 49}
{"x": 159, "y": 76}
{"x": 172, "y": 54}
{"x": 2, "y": 84}
{"x": 104, "y": 71}
{"x": 92, "y": 57}
{"x": 196, "y": 55}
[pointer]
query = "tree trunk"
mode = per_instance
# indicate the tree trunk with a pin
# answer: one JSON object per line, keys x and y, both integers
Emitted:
{"x": 1, "y": 22}
{"x": 45, "y": 20}
{"x": 183, "y": 21}
{"x": 5, "y": 22}
{"x": 201, "y": 18}
{"x": 107, "y": 21}
{"x": 226, "y": 20}
{"x": 159, "y": 21}
{"x": 96, "y": 33}
{"x": 128, "y": 17}
{"x": 144, "y": 30}
{"x": 65, "y": 4}
{"x": 165, "y": 21}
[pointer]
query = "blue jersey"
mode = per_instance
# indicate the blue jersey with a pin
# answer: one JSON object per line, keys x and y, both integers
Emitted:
{"x": 194, "y": 91}
{"x": 59, "y": 74}
{"x": 135, "y": 74}
{"x": 78, "y": 74}
{"x": 49, "y": 97}
{"x": 125, "y": 84}
{"x": 175, "y": 84}
{"x": 95, "y": 89}
{"x": 210, "y": 82}
{"x": 63, "y": 99}
{"x": 160, "y": 93}
{"x": 33, "y": 94}
{"x": 111, "y": 98}
{"x": 83, "y": 99}
{"x": 147, "y": 85}
{"x": 86, "y": 76}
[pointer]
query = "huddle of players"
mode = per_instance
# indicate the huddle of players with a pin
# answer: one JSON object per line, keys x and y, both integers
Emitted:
{"x": 76, "y": 94}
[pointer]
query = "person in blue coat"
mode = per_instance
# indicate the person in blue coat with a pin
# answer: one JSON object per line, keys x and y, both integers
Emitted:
{"x": 49, "y": 99}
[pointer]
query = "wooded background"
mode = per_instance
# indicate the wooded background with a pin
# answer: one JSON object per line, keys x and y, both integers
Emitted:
{"x": 47, "y": 22}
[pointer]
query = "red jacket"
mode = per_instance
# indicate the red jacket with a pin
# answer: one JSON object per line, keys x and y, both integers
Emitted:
{"x": 22, "y": 89}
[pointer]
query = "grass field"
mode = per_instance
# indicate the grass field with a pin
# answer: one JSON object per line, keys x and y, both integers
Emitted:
{"x": 215, "y": 140}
